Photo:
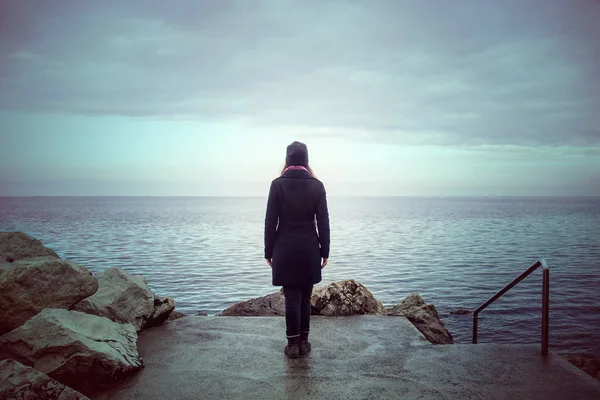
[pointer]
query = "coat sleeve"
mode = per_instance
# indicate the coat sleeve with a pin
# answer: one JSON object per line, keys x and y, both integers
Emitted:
{"x": 323, "y": 224}
{"x": 271, "y": 219}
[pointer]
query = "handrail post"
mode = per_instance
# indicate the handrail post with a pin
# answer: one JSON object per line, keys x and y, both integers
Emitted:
{"x": 545, "y": 301}
{"x": 545, "y": 310}
{"x": 475, "y": 318}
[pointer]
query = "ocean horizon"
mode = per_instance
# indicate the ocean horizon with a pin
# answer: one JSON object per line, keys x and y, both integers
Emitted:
{"x": 331, "y": 196}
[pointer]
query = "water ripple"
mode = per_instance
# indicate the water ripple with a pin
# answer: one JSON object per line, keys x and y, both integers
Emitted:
{"x": 207, "y": 253}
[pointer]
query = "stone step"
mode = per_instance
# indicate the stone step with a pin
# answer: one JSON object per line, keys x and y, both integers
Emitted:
{"x": 352, "y": 357}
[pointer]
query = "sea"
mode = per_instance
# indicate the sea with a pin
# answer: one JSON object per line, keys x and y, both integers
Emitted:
{"x": 456, "y": 252}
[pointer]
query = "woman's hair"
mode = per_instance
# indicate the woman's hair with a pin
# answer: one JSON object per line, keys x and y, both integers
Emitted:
{"x": 307, "y": 167}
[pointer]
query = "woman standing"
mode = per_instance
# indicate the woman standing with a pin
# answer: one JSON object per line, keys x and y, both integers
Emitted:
{"x": 294, "y": 249}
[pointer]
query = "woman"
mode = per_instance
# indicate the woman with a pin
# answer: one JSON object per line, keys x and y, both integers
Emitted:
{"x": 294, "y": 249}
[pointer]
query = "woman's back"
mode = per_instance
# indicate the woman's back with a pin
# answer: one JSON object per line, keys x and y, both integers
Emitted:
{"x": 291, "y": 238}
{"x": 299, "y": 197}
{"x": 296, "y": 252}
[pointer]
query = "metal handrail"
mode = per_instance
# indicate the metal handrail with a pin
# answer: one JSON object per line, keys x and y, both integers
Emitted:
{"x": 545, "y": 301}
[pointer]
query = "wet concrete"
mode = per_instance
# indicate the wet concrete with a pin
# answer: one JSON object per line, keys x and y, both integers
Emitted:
{"x": 361, "y": 357}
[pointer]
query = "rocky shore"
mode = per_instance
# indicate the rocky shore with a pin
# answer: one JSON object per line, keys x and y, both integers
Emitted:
{"x": 64, "y": 329}
{"x": 352, "y": 298}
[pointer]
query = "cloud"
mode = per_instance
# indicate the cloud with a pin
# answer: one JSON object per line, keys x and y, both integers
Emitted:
{"x": 477, "y": 73}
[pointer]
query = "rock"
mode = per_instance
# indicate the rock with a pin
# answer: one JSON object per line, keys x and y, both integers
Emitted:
{"x": 18, "y": 381}
{"x": 16, "y": 246}
{"x": 200, "y": 314}
{"x": 126, "y": 298}
{"x": 460, "y": 312}
{"x": 271, "y": 304}
{"x": 424, "y": 317}
{"x": 28, "y": 285}
{"x": 163, "y": 308}
{"x": 75, "y": 348}
{"x": 176, "y": 315}
{"x": 341, "y": 298}
{"x": 344, "y": 298}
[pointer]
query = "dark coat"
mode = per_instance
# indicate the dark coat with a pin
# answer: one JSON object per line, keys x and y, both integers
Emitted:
{"x": 291, "y": 237}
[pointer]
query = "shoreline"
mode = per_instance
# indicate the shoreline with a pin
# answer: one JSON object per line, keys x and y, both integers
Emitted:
{"x": 50, "y": 294}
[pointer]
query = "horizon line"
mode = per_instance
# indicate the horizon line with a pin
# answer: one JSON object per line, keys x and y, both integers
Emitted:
{"x": 329, "y": 196}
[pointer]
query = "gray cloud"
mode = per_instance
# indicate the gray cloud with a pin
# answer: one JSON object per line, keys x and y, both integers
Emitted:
{"x": 476, "y": 73}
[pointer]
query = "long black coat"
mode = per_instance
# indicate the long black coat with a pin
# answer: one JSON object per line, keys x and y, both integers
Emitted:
{"x": 291, "y": 237}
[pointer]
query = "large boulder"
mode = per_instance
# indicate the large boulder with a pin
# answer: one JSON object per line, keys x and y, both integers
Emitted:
{"x": 20, "y": 246}
{"x": 271, "y": 304}
{"x": 424, "y": 317}
{"x": 18, "y": 381}
{"x": 28, "y": 285}
{"x": 344, "y": 298}
{"x": 76, "y": 349}
{"x": 126, "y": 298}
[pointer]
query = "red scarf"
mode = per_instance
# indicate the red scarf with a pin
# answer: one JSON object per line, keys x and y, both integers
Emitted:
{"x": 295, "y": 168}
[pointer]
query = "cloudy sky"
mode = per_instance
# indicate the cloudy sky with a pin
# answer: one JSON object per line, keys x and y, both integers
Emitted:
{"x": 394, "y": 97}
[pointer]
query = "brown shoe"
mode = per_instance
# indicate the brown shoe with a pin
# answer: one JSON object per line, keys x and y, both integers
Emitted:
{"x": 292, "y": 350}
{"x": 304, "y": 348}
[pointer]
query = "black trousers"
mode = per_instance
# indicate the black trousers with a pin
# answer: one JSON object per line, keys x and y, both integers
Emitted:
{"x": 297, "y": 310}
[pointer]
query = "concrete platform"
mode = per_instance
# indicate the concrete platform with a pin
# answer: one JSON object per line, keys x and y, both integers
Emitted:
{"x": 362, "y": 357}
